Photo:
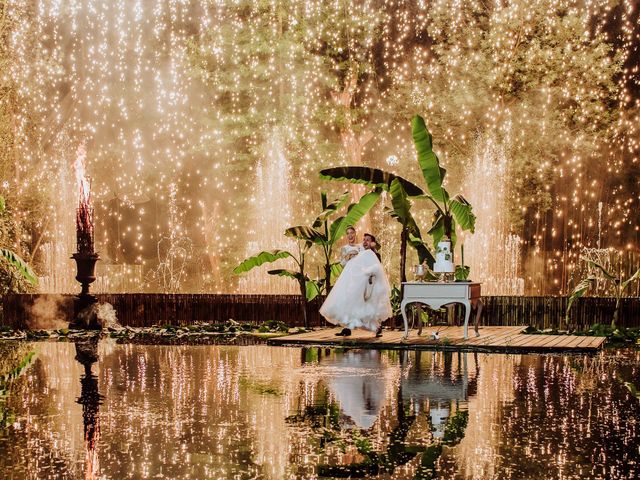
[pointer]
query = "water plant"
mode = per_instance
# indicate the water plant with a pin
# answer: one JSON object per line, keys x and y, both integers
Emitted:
{"x": 13, "y": 260}
{"x": 620, "y": 285}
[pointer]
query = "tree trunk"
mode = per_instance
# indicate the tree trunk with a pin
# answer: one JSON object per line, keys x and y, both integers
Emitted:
{"x": 353, "y": 143}
{"x": 327, "y": 276}
{"x": 303, "y": 298}
{"x": 403, "y": 260}
{"x": 614, "y": 322}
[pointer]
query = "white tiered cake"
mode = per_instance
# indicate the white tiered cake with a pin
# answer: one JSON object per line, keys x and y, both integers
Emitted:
{"x": 444, "y": 258}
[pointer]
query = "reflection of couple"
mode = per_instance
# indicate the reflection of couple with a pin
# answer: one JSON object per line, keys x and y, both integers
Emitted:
{"x": 360, "y": 297}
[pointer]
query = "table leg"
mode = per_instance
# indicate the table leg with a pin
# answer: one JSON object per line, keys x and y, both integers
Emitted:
{"x": 479, "y": 307}
{"x": 403, "y": 309}
{"x": 467, "y": 314}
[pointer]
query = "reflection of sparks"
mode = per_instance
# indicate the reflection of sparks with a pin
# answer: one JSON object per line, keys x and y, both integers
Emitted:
{"x": 392, "y": 160}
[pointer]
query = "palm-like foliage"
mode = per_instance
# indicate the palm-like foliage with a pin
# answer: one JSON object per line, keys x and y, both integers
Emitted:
{"x": 583, "y": 286}
{"x": 308, "y": 288}
{"x": 449, "y": 211}
{"x": 320, "y": 233}
{"x": 325, "y": 234}
{"x": 19, "y": 265}
{"x": 400, "y": 191}
{"x": 14, "y": 260}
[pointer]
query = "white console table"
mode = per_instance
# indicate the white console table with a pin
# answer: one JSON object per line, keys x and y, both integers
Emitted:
{"x": 437, "y": 294}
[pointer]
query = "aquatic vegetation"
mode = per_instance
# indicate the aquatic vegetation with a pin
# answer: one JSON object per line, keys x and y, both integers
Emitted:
{"x": 620, "y": 285}
{"x": 15, "y": 357}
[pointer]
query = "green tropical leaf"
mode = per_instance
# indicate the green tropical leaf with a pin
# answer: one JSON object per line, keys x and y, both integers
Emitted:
{"x": 355, "y": 212}
{"x": 431, "y": 170}
{"x": 20, "y": 265}
{"x": 462, "y": 272}
{"x": 437, "y": 228}
{"x": 604, "y": 271}
{"x": 369, "y": 176}
{"x": 283, "y": 272}
{"x": 260, "y": 259}
{"x": 632, "y": 389}
{"x": 305, "y": 233}
{"x": 424, "y": 255}
{"x": 461, "y": 210}
{"x": 313, "y": 289}
{"x": 579, "y": 291}
{"x": 400, "y": 203}
{"x": 331, "y": 208}
{"x": 454, "y": 235}
{"x": 631, "y": 279}
{"x": 336, "y": 270}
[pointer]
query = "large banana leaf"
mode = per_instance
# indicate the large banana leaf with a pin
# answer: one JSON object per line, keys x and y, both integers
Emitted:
{"x": 461, "y": 210}
{"x": 260, "y": 259}
{"x": 20, "y": 265}
{"x": 305, "y": 233}
{"x": 431, "y": 170}
{"x": 336, "y": 270}
{"x": 355, "y": 212}
{"x": 369, "y": 176}
{"x": 454, "y": 235}
{"x": 331, "y": 208}
{"x": 437, "y": 227}
{"x": 579, "y": 291}
{"x": 631, "y": 279}
{"x": 400, "y": 203}
{"x": 604, "y": 271}
{"x": 421, "y": 248}
{"x": 283, "y": 272}
{"x": 313, "y": 289}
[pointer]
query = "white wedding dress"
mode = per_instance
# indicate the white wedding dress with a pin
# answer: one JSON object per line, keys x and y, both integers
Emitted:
{"x": 354, "y": 302}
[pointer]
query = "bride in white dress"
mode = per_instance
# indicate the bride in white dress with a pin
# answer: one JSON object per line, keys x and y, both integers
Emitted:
{"x": 360, "y": 297}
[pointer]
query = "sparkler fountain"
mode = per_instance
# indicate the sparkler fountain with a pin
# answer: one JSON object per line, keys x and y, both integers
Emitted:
{"x": 163, "y": 86}
{"x": 85, "y": 257}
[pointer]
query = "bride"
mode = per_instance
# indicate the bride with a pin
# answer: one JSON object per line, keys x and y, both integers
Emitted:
{"x": 360, "y": 297}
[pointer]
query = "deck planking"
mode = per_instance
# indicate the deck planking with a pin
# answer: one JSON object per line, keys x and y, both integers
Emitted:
{"x": 497, "y": 339}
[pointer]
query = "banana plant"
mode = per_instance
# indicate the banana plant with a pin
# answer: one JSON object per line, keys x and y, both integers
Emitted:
{"x": 410, "y": 233}
{"x": 584, "y": 285}
{"x": 450, "y": 212}
{"x": 400, "y": 190}
{"x": 309, "y": 289}
{"x": 326, "y": 234}
{"x": 14, "y": 260}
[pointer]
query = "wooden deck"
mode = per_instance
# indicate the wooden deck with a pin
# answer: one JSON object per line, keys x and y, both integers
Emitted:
{"x": 491, "y": 339}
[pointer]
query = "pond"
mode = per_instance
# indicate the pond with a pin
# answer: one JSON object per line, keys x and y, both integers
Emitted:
{"x": 135, "y": 411}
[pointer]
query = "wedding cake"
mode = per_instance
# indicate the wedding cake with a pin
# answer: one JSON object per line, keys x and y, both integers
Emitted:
{"x": 444, "y": 258}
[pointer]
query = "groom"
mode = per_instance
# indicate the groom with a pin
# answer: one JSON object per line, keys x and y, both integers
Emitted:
{"x": 369, "y": 243}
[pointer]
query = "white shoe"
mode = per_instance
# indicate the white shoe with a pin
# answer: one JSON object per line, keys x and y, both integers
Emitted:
{"x": 435, "y": 335}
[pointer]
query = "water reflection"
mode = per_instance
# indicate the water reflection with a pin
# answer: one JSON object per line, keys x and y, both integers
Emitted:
{"x": 90, "y": 399}
{"x": 128, "y": 411}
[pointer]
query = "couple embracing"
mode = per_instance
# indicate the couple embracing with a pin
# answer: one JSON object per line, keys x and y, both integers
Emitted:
{"x": 360, "y": 297}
